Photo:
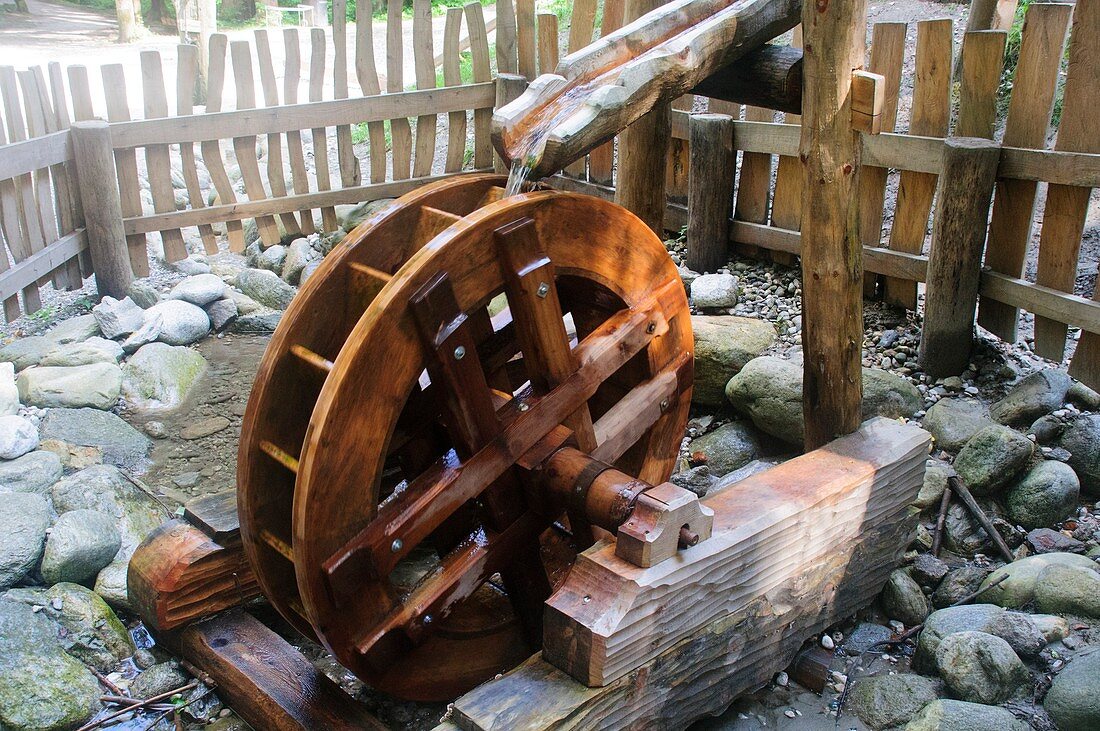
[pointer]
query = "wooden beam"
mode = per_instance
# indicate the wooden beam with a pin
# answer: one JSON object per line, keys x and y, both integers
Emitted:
{"x": 769, "y": 77}
{"x": 832, "y": 256}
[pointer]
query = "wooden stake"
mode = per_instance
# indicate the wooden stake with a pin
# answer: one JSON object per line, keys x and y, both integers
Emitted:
{"x": 710, "y": 190}
{"x": 955, "y": 484}
{"x": 832, "y": 256}
{"x": 102, "y": 208}
{"x": 965, "y": 192}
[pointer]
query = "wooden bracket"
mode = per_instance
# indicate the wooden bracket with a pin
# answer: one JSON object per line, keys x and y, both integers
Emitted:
{"x": 868, "y": 98}
{"x": 666, "y": 518}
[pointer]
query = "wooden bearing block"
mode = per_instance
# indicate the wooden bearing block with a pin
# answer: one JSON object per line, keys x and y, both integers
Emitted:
{"x": 868, "y": 98}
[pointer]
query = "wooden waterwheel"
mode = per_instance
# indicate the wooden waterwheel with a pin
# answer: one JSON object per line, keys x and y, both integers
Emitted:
{"x": 469, "y": 390}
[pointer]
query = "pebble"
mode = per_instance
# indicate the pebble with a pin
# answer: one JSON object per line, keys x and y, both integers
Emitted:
{"x": 827, "y": 642}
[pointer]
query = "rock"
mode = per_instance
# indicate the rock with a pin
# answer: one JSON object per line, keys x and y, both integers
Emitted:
{"x": 943, "y": 622}
{"x": 181, "y": 323}
{"x": 117, "y": 318}
{"x": 17, "y": 436}
{"x": 298, "y": 255}
{"x": 958, "y": 584}
{"x": 352, "y": 216}
{"x": 1045, "y": 495}
{"x": 1055, "y": 583}
{"x": 903, "y": 600}
{"x": 191, "y": 266}
{"x": 261, "y": 321}
{"x": 106, "y": 489}
{"x": 160, "y": 377}
{"x": 34, "y": 472}
{"x": 204, "y": 427}
{"x": 24, "y": 518}
{"x": 26, "y": 352}
{"x": 266, "y": 288}
{"x": 245, "y": 304}
{"x": 864, "y": 637}
{"x": 728, "y": 447}
{"x": 714, "y": 291}
{"x": 308, "y": 270}
{"x": 885, "y": 701}
{"x": 953, "y": 421}
{"x": 118, "y": 442}
{"x": 96, "y": 385}
{"x": 1082, "y": 440}
{"x": 80, "y": 544}
{"x": 951, "y": 715}
{"x": 272, "y": 259}
{"x": 201, "y": 289}
{"x": 1047, "y": 540}
{"x": 41, "y": 685}
{"x": 980, "y": 668}
{"x": 752, "y": 468}
{"x": 963, "y": 534}
{"x": 1073, "y": 700}
{"x": 158, "y": 679}
{"x": 697, "y": 479}
{"x": 147, "y": 333}
{"x": 1020, "y": 632}
{"x": 75, "y": 330}
{"x": 1047, "y": 429}
{"x": 1050, "y": 626}
{"x": 1040, "y": 393}
{"x": 992, "y": 457}
{"x": 769, "y": 391}
{"x": 222, "y": 313}
{"x": 1083, "y": 397}
{"x": 9, "y": 393}
{"x": 143, "y": 293}
{"x": 88, "y": 629}
{"x": 723, "y": 345}
{"x": 935, "y": 482}
{"x": 927, "y": 570}
{"x": 92, "y": 350}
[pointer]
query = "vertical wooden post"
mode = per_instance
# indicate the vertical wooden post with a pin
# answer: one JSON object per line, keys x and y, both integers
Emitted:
{"x": 965, "y": 192}
{"x": 95, "y": 170}
{"x": 643, "y": 152}
{"x": 710, "y": 191}
{"x": 832, "y": 256}
{"x": 509, "y": 87}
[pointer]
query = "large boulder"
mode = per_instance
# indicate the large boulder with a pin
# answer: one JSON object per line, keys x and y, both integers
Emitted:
{"x": 298, "y": 255}
{"x": 953, "y": 421}
{"x": 1045, "y": 495}
{"x": 201, "y": 289}
{"x": 1073, "y": 701}
{"x": 1040, "y": 393}
{"x": 92, "y": 350}
{"x": 1054, "y": 583}
{"x": 351, "y": 216}
{"x": 26, "y": 352}
{"x": 41, "y": 685}
{"x": 958, "y": 583}
{"x": 118, "y": 442}
{"x": 992, "y": 457}
{"x": 96, "y": 386}
{"x": 980, "y": 668}
{"x": 963, "y": 534}
{"x": 24, "y": 519}
{"x": 222, "y": 313}
{"x": 143, "y": 293}
{"x": 161, "y": 376}
{"x": 951, "y": 715}
{"x": 80, "y": 544}
{"x": 266, "y": 288}
{"x": 181, "y": 323}
{"x": 17, "y": 436}
{"x": 1082, "y": 440}
{"x": 118, "y": 318}
{"x": 886, "y": 701}
{"x": 723, "y": 345}
{"x": 714, "y": 291}
{"x": 902, "y": 599}
{"x": 74, "y": 330}
{"x": 769, "y": 391}
{"x": 106, "y": 489}
{"x": 33, "y": 472}
{"x": 728, "y": 447}
{"x": 988, "y": 618}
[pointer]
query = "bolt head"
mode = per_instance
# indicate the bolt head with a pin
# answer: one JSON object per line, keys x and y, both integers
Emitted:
{"x": 651, "y": 328}
{"x": 427, "y": 619}
{"x": 460, "y": 352}
{"x": 523, "y": 407}
{"x": 543, "y": 290}
{"x": 664, "y": 405}
{"x": 397, "y": 545}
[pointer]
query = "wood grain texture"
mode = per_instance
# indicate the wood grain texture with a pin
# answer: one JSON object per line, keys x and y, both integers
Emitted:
{"x": 710, "y": 191}
{"x": 350, "y": 173}
{"x": 506, "y": 40}
{"x": 754, "y": 186}
{"x": 479, "y": 54}
{"x": 452, "y": 76}
{"x": 981, "y": 64}
{"x": 211, "y": 148}
{"x": 526, "y": 43}
{"x": 103, "y": 209}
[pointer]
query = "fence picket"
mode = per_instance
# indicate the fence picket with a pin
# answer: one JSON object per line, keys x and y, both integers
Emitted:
{"x": 506, "y": 37}
{"x": 887, "y": 59}
{"x": 11, "y": 227}
{"x": 81, "y": 95}
{"x": 400, "y": 131}
{"x": 679, "y": 158}
{"x": 424, "y": 62}
{"x": 43, "y": 189}
{"x": 525, "y": 38}
{"x": 350, "y": 174}
{"x": 754, "y": 185}
{"x": 187, "y": 65}
{"x": 1067, "y": 206}
{"x": 212, "y": 149}
{"x": 981, "y": 65}
{"x": 26, "y": 206}
{"x": 158, "y": 162}
{"x": 69, "y": 209}
{"x": 581, "y": 27}
{"x": 601, "y": 161}
{"x": 292, "y": 75}
{"x": 479, "y": 53}
{"x": 931, "y": 113}
{"x": 1029, "y": 114}
{"x": 366, "y": 71}
{"x": 320, "y": 139}
{"x": 276, "y": 175}
{"x": 548, "y": 41}
{"x": 787, "y": 198}
{"x": 452, "y": 76}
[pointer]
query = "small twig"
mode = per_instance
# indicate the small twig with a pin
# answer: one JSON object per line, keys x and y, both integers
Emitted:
{"x": 976, "y": 510}
{"x": 140, "y": 704}
{"x": 199, "y": 673}
{"x": 941, "y": 519}
{"x": 106, "y": 682}
{"x": 145, "y": 489}
{"x": 177, "y": 709}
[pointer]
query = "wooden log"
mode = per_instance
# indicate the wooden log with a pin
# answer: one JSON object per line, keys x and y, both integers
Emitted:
{"x": 769, "y": 77}
{"x": 710, "y": 191}
{"x": 509, "y": 87}
{"x": 267, "y": 681}
{"x": 965, "y": 192}
{"x": 102, "y": 208}
{"x": 755, "y": 636}
{"x": 832, "y": 255}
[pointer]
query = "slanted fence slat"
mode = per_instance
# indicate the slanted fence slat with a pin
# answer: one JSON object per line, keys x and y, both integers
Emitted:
{"x": 276, "y": 176}
{"x": 400, "y": 131}
{"x": 158, "y": 163}
{"x": 424, "y": 63}
{"x": 211, "y": 146}
{"x": 452, "y": 76}
{"x": 187, "y": 66}
{"x": 292, "y": 76}
{"x": 366, "y": 72}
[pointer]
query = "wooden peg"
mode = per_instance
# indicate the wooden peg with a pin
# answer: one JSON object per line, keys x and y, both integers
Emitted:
{"x": 868, "y": 98}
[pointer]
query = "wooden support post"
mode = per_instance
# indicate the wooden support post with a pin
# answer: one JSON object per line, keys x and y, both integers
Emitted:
{"x": 832, "y": 255}
{"x": 95, "y": 167}
{"x": 770, "y": 77}
{"x": 965, "y": 192}
{"x": 710, "y": 191}
{"x": 509, "y": 87}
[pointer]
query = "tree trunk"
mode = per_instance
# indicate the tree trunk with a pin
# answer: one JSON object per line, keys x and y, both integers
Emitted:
{"x": 127, "y": 20}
